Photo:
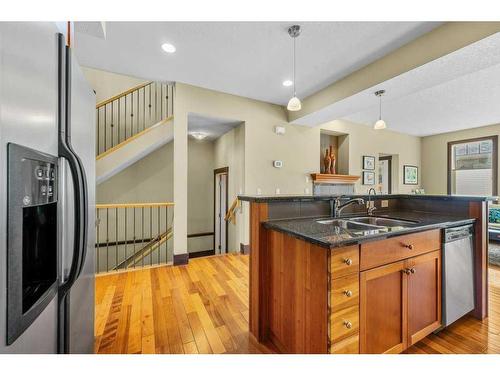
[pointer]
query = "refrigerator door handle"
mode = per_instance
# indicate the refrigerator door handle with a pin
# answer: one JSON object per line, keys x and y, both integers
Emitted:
{"x": 80, "y": 191}
{"x": 76, "y": 168}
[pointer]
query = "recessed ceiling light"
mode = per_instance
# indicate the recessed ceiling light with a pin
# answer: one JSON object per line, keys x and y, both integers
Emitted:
{"x": 287, "y": 83}
{"x": 199, "y": 135}
{"x": 167, "y": 47}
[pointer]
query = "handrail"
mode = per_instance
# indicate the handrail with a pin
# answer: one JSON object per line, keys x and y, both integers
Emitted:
{"x": 146, "y": 250}
{"x": 133, "y": 235}
{"x": 122, "y": 94}
{"x": 136, "y": 205}
{"x": 130, "y": 139}
{"x": 231, "y": 213}
{"x": 127, "y": 115}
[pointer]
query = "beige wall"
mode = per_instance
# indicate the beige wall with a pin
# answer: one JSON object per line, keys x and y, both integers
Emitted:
{"x": 151, "y": 180}
{"x": 200, "y": 202}
{"x": 107, "y": 84}
{"x": 363, "y": 140}
{"x": 230, "y": 152}
{"x": 148, "y": 180}
{"x": 435, "y": 156}
{"x": 298, "y": 149}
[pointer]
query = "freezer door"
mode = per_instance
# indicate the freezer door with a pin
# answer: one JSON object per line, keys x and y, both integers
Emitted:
{"x": 28, "y": 116}
{"x": 81, "y": 318}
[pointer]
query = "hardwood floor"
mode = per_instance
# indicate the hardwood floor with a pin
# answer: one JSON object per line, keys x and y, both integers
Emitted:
{"x": 203, "y": 308}
{"x": 198, "y": 308}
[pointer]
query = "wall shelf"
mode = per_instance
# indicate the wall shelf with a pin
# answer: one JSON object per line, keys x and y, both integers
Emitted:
{"x": 322, "y": 178}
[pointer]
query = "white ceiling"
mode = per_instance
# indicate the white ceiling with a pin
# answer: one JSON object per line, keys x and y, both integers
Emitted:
{"x": 458, "y": 91}
{"x": 249, "y": 59}
{"x": 214, "y": 127}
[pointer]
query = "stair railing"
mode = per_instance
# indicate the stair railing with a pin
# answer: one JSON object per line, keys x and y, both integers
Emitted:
{"x": 133, "y": 235}
{"x": 131, "y": 112}
{"x": 231, "y": 213}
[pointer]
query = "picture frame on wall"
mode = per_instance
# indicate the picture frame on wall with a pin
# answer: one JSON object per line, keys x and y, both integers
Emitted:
{"x": 410, "y": 175}
{"x": 369, "y": 163}
{"x": 368, "y": 178}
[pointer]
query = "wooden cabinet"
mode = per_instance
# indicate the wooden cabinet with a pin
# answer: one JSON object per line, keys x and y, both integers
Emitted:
{"x": 378, "y": 253}
{"x": 377, "y": 297}
{"x": 344, "y": 300}
{"x": 383, "y": 309}
{"x": 344, "y": 261}
{"x": 400, "y": 303}
{"x": 424, "y": 296}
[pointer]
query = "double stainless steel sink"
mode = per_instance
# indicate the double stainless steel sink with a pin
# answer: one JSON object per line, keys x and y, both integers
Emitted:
{"x": 367, "y": 223}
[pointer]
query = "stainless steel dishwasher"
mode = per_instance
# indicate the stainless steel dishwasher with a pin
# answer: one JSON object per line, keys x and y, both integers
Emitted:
{"x": 458, "y": 273}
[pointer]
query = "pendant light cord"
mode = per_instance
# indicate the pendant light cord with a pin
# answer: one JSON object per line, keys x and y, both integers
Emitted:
{"x": 380, "y": 107}
{"x": 294, "y": 92}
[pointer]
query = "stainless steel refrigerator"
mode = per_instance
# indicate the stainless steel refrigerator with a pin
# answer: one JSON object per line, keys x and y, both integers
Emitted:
{"x": 47, "y": 194}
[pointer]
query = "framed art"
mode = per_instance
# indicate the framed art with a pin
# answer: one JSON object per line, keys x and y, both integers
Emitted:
{"x": 410, "y": 175}
{"x": 368, "y": 178}
{"x": 369, "y": 162}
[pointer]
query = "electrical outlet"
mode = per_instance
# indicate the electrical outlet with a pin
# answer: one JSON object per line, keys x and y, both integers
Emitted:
{"x": 384, "y": 203}
{"x": 306, "y": 191}
{"x": 277, "y": 191}
{"x": 259, "y": 191}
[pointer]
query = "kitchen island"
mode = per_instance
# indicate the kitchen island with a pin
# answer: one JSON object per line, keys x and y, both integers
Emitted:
{"x": 355, "y": 283}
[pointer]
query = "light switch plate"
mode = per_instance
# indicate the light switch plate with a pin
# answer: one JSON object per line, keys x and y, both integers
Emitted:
{"x": 384, "y": 203}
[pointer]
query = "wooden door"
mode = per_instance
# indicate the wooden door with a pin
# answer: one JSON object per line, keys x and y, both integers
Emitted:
{"x": 383, "y": 327}
{"x": 424, "y": 295}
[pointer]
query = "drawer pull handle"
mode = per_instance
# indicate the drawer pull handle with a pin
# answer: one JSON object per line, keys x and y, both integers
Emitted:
{"x": 406, "y": 271}
{"x": 408, "y": 246}
{"x": 347, "y": 324}
{"x": 412, "y": 270}
{"x": 348, "y": 293}
{"x": 348, "y": 261}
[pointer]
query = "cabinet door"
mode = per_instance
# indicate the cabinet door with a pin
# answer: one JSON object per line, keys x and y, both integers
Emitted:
{"x": 424, "y": 295}
{"x": 383, "y": 327}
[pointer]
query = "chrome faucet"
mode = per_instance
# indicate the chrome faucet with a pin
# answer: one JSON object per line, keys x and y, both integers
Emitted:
{"x": 371, "y": 207}
{"x": 339, "y": 207}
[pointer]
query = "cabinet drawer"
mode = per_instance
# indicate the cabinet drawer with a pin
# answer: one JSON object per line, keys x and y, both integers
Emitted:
{"x": 344, "y": 323}
{"x": 382, "y": 252}
{"x": 344, "y": 261}
{"x": 349, "y": 345}
{"x": 344, "y": 292}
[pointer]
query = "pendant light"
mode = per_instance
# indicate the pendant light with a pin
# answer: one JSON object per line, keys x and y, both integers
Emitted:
{"x": 294, "y": 104}
{"x": 380, "y": 124}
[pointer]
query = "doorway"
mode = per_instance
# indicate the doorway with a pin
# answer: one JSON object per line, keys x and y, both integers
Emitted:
{"x": 221, "y": 176}
{"x": 385, "y": 174}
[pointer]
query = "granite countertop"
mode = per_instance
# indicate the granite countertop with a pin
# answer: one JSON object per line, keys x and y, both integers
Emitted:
{"x": 294, "y": 198}
{"x": 330, "y": 236}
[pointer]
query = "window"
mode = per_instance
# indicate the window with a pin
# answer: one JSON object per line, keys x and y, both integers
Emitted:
{"x": 472, "y": 166}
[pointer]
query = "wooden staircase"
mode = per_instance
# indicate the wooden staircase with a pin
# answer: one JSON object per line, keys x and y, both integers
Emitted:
{"x": 131, "y": 125}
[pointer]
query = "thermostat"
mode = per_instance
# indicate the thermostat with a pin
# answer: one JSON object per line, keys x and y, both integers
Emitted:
{"x": 279, "y": 130}
{"x": 278, "y": 163}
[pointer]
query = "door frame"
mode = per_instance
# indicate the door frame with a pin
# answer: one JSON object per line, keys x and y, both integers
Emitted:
{"x": 216, "y": 172}
{"x": 389, "y": 182}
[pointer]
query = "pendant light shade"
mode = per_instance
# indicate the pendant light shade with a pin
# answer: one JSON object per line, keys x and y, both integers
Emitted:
{"x": 294, "y": 103}
{"x": 380, "y": 124}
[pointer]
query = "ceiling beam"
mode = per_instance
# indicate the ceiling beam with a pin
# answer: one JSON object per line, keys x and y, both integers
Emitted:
{"x": 437, "y": 43}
